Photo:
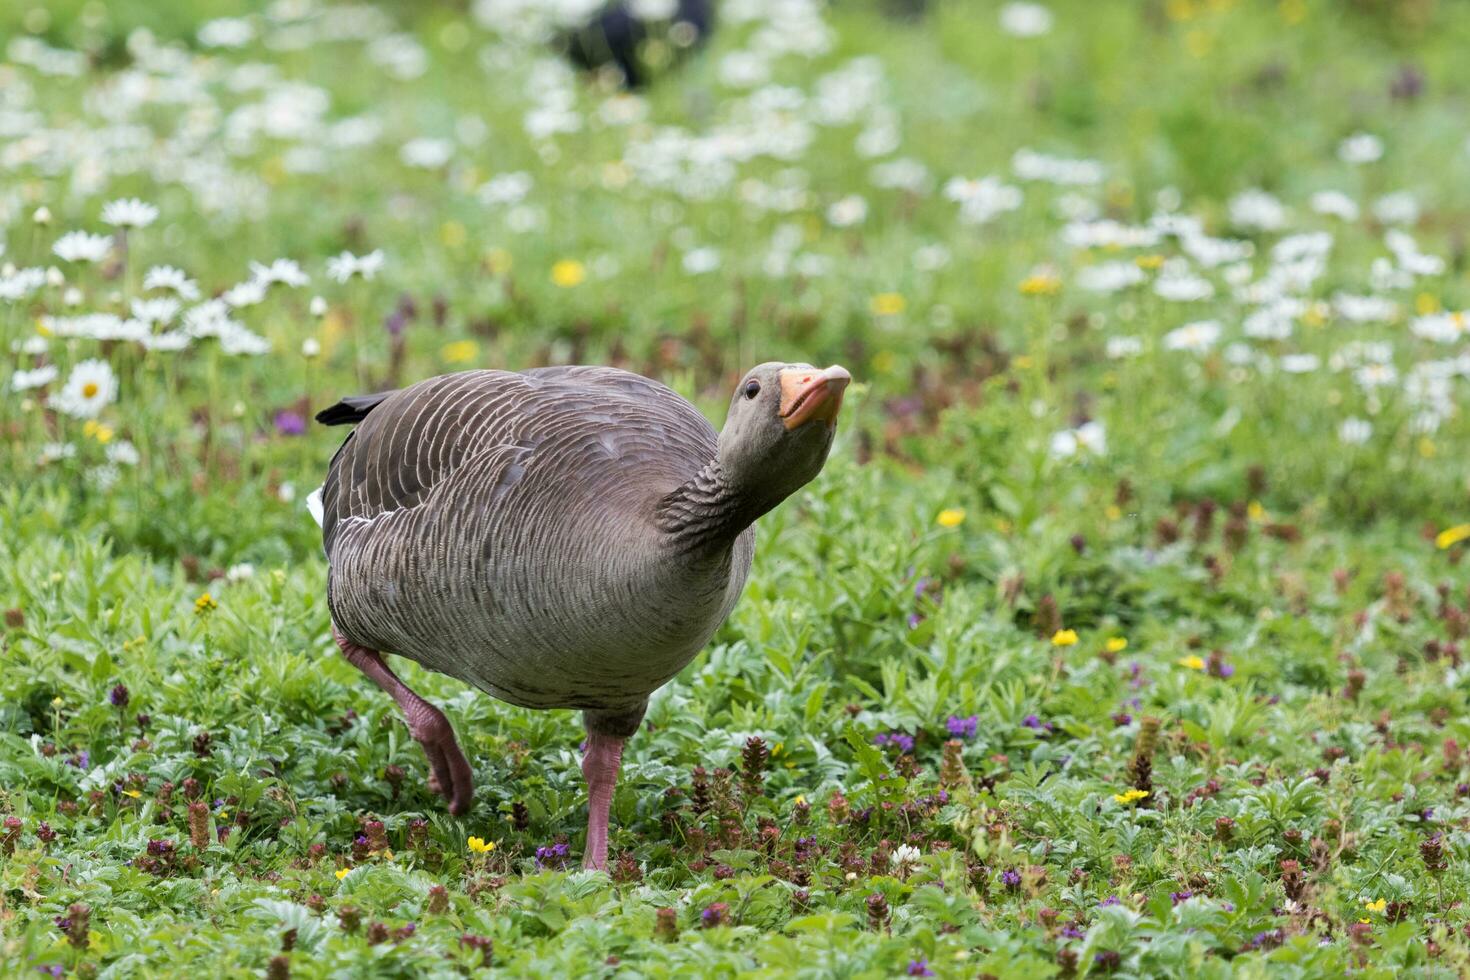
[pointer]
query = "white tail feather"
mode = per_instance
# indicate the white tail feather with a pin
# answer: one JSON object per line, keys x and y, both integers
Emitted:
{"x": 314, "y": 505}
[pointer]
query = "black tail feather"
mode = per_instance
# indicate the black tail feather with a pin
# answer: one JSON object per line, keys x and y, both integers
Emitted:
{"x": 351, "y": 410}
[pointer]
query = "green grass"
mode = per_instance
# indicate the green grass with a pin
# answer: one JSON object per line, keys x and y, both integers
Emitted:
{"x": 1292, "y": 626}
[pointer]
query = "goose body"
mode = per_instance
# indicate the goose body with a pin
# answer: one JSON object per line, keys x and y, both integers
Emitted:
{"x": 559, "y": 538}
{"x": 500, "y": 528}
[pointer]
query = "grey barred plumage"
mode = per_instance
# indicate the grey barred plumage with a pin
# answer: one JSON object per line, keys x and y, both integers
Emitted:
{"x": 560, "y": 538}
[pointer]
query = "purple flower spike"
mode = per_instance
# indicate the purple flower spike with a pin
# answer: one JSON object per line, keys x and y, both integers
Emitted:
{"x": 963, "y": 727}
{"x": 919, "y": 968}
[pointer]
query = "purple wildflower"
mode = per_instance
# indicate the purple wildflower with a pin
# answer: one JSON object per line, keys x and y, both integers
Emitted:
{"x": 1071, "y": 932}
{"x": 55, "y": 970}
{"x": 1177, "y": 897}
{"x": 119, "y": 696}
{"x": 963, "y": 727}
{"x": 289, "y": 423}
{"x": 919, "y": 968}
{"x": 1010, "y": 877}
{"x": 1110, "y": 900}
{"x": 81, "y": 760}
{"x": 904, "y": 743}
{"x": 552, "y": 855}
{"x": 714, "y": 915}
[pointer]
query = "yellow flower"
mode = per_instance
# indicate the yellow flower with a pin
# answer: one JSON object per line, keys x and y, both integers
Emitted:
{"x": 481, "y": 846}
{"x": 1377, "y": 906}
{"x": 131, "y": 792}
{"x": 887, "y": 304}
{"x": 56, "y": 702}
{"x": 459, "y": 351}
{"x": 1149, "y": 262}
{"x": 1116, "y": 644}
{"x": 452, "y": 234}
{"x": 1113, "y": 512}
{"x": 1452, "y": 536}
{"x": 343, "y": 873}
{"x": 800, "y": 800}
{"x": 568, "y": 273}
{"x": 1064, "y": 638}
{"x": 951, "y": 517}
{"x": 1040, "y": 283}
{"x": 1193, "y": 662}
{"x": 1425, "y": 304}
{"x": 1130, "y": 796}
{"x": 205, "y": 604}
{"x": 1256, "y": 511}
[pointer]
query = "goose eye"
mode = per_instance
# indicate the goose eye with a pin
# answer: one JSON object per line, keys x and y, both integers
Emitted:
{"x": 752, "y": 388}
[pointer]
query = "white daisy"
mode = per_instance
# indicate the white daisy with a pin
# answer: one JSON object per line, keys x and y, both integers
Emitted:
{"x": 167, "y": 277}
{"x": 1198, "y": 336}
{"x": 849, "y": 211}
{"x": 245, "y": 294}
{"x": 89, "y": 388}
{"x": 80, "y": 246}
{"x": 1360, "y": 148}
{"x": 701, "y": 260}
{"x": 159, "y": 309}
{"x": 1335, "y": 204}
{"x": 1354, "y": 431}
{"x": 343, "y": 267}
{"x": 26, "y": 380}
{"x": 1025, "y": 19}
{"x": 129, "y": 213}
{"x": 1257, "y": 210}
{"x": 123, "y": 453}
{"x": 287, "y": 272}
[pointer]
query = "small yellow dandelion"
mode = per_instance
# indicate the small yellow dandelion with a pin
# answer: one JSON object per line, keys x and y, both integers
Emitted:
{"x": 1193, "y": 662}
{"x": 800, "y": 800}
{"x": 951, "y": 517}
{"x": 205, "y": 604}
{"x": 1041, "y": 283}
{"x": 1130, "y": 796}
{"x": 1377, "y": 906}
{"x": 131, "y": 792}
{"x": 887, "y": 304}
{"x": 1425, "y": 304}
{"x": 1113, "y": 512}
{"x": 343, "y": 873}
{"x": 1452, "y": 536}
{"x": 459, "y": 351}
{"x": 1064, "y": 638}
{"x": 568, "y": 273}
{"x": 1116, "y": 644}
{"x": 1256, "y": 511}
{"x": 481, "y": 846}
{"x": 1149, "y": 262}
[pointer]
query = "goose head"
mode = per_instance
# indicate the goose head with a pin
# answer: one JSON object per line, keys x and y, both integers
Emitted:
{"x": 779, "y": 429}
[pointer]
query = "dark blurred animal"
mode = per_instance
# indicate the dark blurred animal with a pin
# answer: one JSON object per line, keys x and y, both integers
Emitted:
{"x": 643, "y": 38}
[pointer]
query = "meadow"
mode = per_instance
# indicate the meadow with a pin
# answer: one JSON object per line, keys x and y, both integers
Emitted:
{"x": 1124, "y": 633}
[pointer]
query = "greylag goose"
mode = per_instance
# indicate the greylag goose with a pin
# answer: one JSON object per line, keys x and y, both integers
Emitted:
{"x": 565, "y": 537}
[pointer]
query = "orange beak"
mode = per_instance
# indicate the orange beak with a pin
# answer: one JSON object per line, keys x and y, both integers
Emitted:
{"x": 809, "y": 393}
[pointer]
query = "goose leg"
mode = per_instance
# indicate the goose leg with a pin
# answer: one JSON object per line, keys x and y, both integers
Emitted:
{"x": 449, "y": 773}
{"x": 600, "y": 767}
{"x": 606, "y": 733}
